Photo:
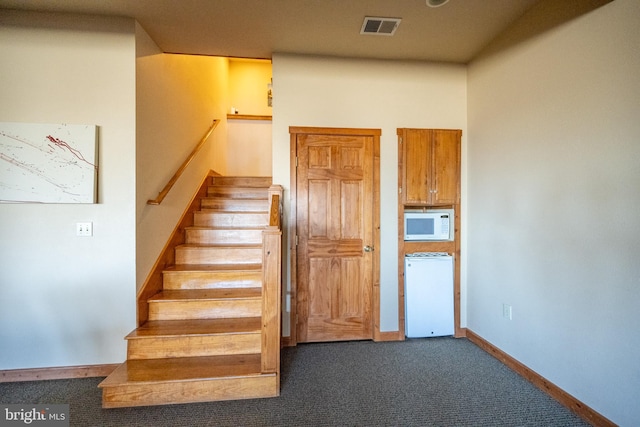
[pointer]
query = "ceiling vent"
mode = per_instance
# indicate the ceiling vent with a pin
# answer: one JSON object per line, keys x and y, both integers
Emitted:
{"x": 380, "y": 26}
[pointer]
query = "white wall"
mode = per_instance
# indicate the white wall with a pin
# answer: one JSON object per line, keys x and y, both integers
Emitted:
{"x": 553, "y": 175}
{"x": 178, "y": 96}
{"x": 68, "y": 300}
{"x": 331, "y": 92}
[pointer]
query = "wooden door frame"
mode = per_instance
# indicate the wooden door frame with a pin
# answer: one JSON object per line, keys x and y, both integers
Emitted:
{"x": 293, "y": 220}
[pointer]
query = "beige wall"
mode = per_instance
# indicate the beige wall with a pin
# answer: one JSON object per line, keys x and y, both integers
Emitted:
{"x": 249, "y": 141}
{"x": 178, "y": 96}
{"x": 69, "y": 300}
{"x": 331, "y": 92}
{"x": 248, "y": 80}
{"x": 249, "y": 148}
{"x": 553, "y": 204}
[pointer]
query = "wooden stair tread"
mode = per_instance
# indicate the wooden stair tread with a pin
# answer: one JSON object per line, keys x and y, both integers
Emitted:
{"x": 223, "y": 235}
{"x": 221, "y": 245}
{"x": 168, "y": 328}
{"x": 229, "y": 196}
{"x": 234, "y": 212}
{"x": 224, "y": 197}
{"x": 232, "y": 188}
{"x": 236, "y": 206}
{"x": 207, "y": 294}
{"x": 214, "y": 267}
{"x": 239, "y": 193}
{"x": 177, "y": 369}
{"x": 216, "y": 218}
{"x": 240, "y": 186}
{"x": 244, "y": 181}
{"x": 231, "y": 227}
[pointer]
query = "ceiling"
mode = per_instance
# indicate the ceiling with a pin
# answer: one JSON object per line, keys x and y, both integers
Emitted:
{"x": 454, "y": 32}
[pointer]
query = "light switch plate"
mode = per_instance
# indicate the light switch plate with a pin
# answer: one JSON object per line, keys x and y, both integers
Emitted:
{"x": 84, "y": 229}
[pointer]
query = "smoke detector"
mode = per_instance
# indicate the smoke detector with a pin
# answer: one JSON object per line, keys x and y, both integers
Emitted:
{"x": 380, "y": 26}
{"x": 436, "y": 3}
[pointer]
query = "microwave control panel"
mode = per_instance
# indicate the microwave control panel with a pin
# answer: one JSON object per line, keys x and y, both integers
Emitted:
{"x": 445, "y": 223}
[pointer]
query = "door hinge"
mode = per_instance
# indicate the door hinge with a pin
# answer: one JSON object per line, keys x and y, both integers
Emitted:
{"x": 399, "y": 190}
{"x": 296, "y": 240}
{"x": 400, "y": 140}
{"x": 296, "y": 161}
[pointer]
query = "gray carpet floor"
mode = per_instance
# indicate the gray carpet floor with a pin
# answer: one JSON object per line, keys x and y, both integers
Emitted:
{"x": 418, "y": 382}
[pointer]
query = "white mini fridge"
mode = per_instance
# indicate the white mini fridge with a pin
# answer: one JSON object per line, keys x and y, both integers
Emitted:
{"x": 428, "y": 294}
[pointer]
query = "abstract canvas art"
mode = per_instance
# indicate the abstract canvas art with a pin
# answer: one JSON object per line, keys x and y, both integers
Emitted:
{"x": 48, "y": 163}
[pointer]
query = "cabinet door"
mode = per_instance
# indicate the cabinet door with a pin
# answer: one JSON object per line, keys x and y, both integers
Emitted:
{"x": 446, "y": 167}
{"x": 417, "y": 163}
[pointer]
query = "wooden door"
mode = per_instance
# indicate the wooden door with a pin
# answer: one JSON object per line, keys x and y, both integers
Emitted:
{"x": 335, "y": 211}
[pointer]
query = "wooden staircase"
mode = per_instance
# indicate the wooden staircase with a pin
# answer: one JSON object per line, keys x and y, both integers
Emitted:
{"x": 212, "y": 332}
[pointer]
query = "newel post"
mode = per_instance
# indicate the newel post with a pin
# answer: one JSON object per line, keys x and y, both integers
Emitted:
{"x": 271, "y": 285}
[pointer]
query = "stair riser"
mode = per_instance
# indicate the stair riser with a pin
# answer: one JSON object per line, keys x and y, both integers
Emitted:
{"x": 211, "y": 280}
{"x": 163, "y": 393}
{"x": 218, "y": 256}
{"x": 223, "y": 236}
{"x": 213, "y": 219}
{"x": 235, "y": 205}
{"x": 242, "y": 181}
{"x": 205, "y": 309}
{"x": 192, "y": 346}
{"x": 238, "y": 192}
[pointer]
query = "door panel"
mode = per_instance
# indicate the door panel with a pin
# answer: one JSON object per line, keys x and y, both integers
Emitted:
{"x": 351, "y": 203}
{"x": 417, "y": 155}
{"x": 319, "y": 216}
{"x": 446, "y": 152}
{"x": 335, "y": 222}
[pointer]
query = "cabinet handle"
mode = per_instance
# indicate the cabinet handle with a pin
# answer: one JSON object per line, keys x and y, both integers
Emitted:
{"x": 368, "y": 248}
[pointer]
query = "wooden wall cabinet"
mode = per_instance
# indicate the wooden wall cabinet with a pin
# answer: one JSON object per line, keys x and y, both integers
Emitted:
{"x": 430, "y": 166}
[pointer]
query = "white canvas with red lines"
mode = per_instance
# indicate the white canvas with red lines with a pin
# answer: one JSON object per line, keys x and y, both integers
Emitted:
{"x": 48, "y": 163}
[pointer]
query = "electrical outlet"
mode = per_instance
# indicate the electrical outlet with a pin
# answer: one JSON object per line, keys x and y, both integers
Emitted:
{"x": 506, "y": 311}
{"x": 84, "y": 229}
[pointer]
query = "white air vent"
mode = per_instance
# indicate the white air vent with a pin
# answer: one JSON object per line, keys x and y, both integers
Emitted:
{"x": 380, "y": 26}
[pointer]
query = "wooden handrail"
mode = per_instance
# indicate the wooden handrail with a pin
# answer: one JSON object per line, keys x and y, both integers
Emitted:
{"x": 183, "y": 166}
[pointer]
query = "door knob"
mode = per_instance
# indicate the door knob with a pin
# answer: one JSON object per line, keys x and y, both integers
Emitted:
{"x": 368, "y": 248}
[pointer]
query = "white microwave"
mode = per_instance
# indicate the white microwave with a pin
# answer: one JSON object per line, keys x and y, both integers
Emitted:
{"x": 430, "y": 224}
